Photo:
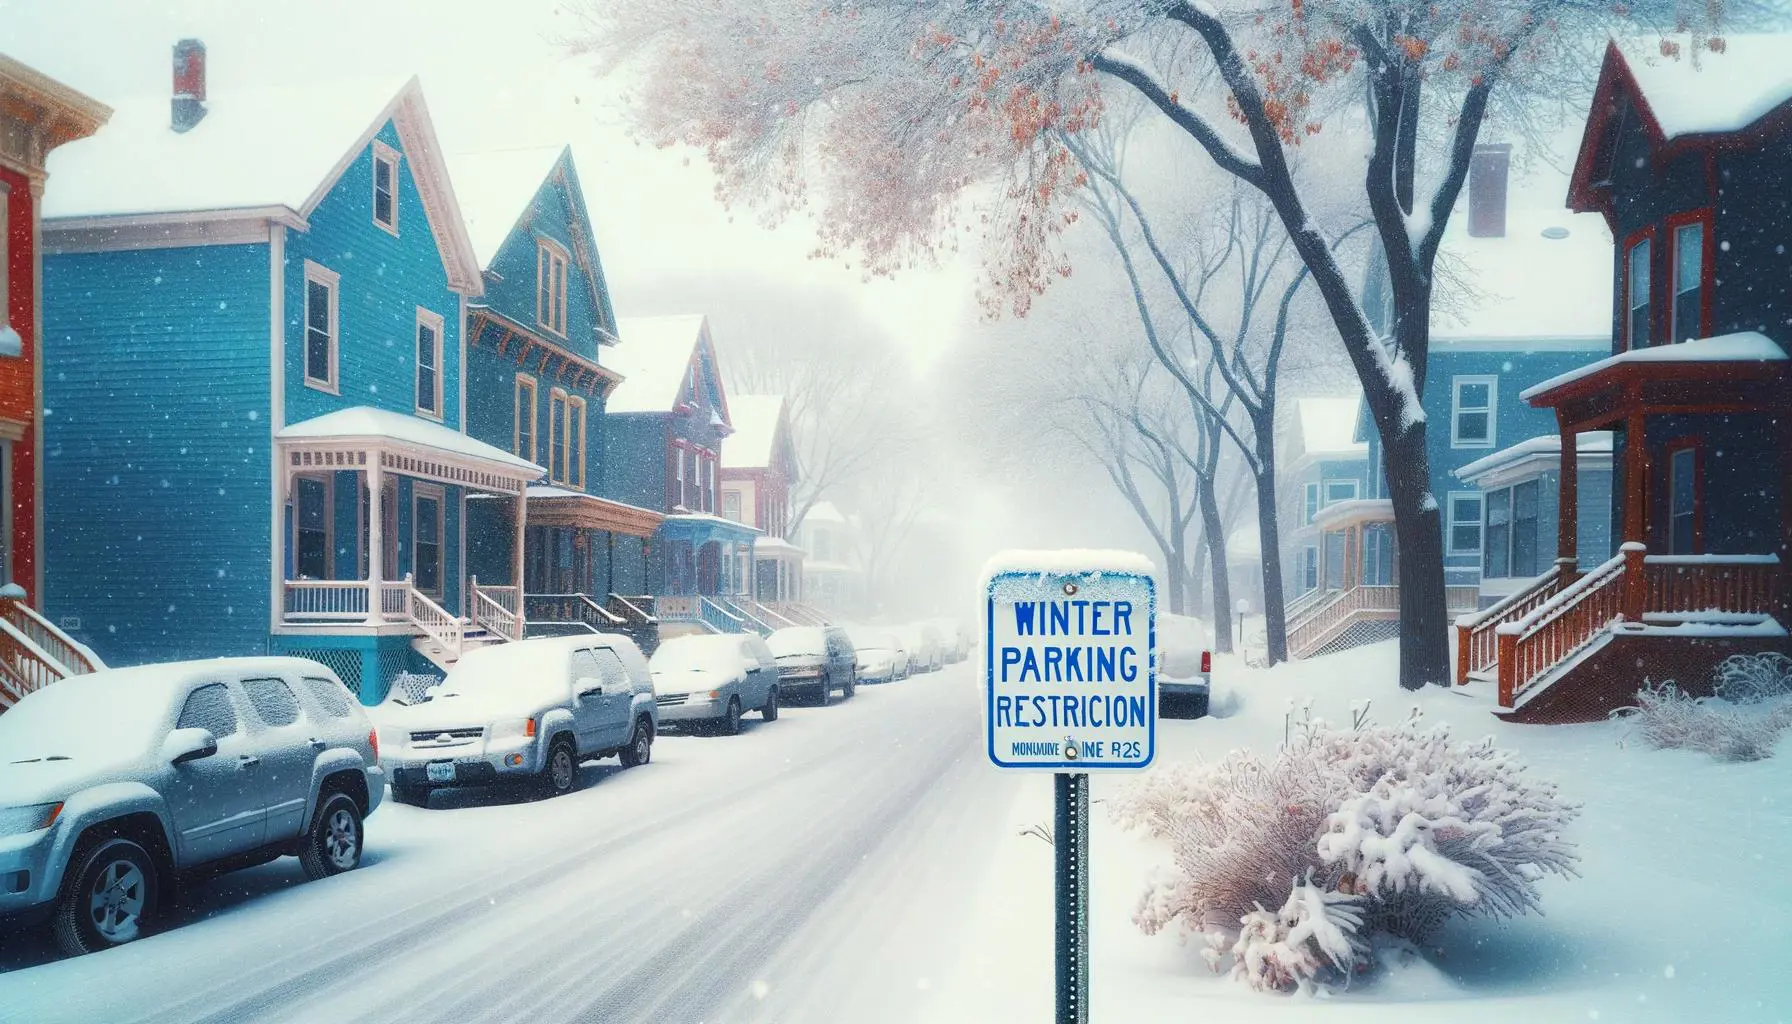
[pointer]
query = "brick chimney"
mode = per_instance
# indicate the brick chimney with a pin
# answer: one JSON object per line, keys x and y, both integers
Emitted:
{"x": 1487, "y": 189}
{"x": 189, "y": 84}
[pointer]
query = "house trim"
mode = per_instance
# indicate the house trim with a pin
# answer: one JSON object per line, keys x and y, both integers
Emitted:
{"x": 244, "y": 226}
{"x": 524, "y": 380}
{"x": 276, "y": 412}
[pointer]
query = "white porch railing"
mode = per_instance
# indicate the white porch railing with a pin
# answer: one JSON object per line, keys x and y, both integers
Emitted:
{"x": 435, "y": 622}
{"x": 496, "y": 609}
{"x": 327, "y": 601}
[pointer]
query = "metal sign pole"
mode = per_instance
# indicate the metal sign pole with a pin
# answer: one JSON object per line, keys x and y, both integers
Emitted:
{"x": 1070, "y": 847}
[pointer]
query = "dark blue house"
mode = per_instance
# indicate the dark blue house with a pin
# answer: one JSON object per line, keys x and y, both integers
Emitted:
{"x": 537, "y": 387}
{"x": 254, "y": 397}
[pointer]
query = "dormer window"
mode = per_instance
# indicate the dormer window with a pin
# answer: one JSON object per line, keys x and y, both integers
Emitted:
{"x": 385, "y": 186}
{"x": 550, "y": 287}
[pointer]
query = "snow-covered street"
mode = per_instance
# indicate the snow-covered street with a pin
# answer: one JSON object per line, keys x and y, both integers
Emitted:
{"x": 817, "y": 862}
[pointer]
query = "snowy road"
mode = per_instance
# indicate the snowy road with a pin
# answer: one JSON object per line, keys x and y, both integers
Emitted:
{"x": 815, "y": 868}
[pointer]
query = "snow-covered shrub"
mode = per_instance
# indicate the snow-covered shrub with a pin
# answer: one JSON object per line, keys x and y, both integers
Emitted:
{"x": 1665, "y": 717}
{"x": 413, "y": 687}
{"x": 1353, "y": 833}
{"x": 1752, "y": 678}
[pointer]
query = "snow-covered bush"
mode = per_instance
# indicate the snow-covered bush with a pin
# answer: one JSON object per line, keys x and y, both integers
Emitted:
{"x": 1350, "y": 833}
{"x": 1667, "y": 718}
{"x": 1752, "y": 678}
{"x": 413, "y": 687}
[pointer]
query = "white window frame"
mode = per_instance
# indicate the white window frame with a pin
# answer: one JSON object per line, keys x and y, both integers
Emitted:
{"x": 1456, "y": 410}
{"x": 329, "y": 484}
{"x": 1309, "y": 502}
{"x": 1480, "y": 520}
{"x": 678, "y": 492}
{"x": 425, "y": 318}
{"x": 526, "y": 381}
{"x": 551, "y": 260}
{"x": 1355, "y": 491}
{"x": 383, "y": 153}
{"x": 438, "y": 494}
{"x": 575, "y": 435}
{"x": 317, "y": 273}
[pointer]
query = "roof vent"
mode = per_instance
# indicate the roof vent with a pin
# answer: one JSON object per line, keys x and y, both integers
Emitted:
{"x": 189, "y": 84}
{"x": 1555, "y": 232}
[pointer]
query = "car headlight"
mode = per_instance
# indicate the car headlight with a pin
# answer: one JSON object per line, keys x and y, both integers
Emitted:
{"x": 513, "y": 729}
{"x": 16, "y": 821}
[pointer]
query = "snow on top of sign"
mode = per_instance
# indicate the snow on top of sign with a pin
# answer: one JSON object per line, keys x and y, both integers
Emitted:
{"x": 1741, "y": 347}
{"x": 495, "y": 189}
{"x": 755, "y": 419}
{"x": 1694, "y": 90}
{"x": 1068, "y": 561}
{"x": 1328, "y": 426}
{"x": 653, "y": 357}
{"x": 266, "y": 146}
{"x": 363, "y": 421}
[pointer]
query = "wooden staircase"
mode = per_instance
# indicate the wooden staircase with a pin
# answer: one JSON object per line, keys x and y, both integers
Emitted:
{"x": 34, "y": 653}
{"x": 444, "y": 638}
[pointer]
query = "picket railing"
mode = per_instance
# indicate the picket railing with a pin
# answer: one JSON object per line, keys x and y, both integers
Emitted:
{"x": 742, "y": 608}
{"x": 1477, "y": 639}
{"x": 31, "y": 624}
{"x": 1563, "y": 624}
{"x": 719, "y": 618}
{"x": 580, "y": 608}
{"x": 25, "y": 667}
{"x": 1324, "y": 621}
{"x": 1712, "y": 583}
{"x": 326, "y": 600}
{"x": 435, "y": 622}
{"x": 496, "y": 609}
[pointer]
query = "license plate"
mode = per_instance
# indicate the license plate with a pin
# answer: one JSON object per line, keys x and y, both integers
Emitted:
{"x": 439, "y": 771}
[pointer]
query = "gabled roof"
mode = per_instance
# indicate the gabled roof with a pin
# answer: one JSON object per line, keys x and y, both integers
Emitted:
{"x": 654, "y": 356}
{"x": 1679, "y": 91}
{"x": 498, "y": 189}
{"x": 758, "y": 422}
{"x": 1327, "y": 426}
{"x": 273, "y": 150}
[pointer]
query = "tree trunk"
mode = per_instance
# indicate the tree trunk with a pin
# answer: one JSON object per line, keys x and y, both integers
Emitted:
{"x": 1176, "y": 573}
{"x": 1424, "y": 608}
{"x": 1197, "y": 576}
{"x": 1275, "y": 615}
{"x": 1214, "y": 533}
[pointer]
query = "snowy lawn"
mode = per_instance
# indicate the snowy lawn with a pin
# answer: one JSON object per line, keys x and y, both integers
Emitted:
{"x": 1681, "y": 913}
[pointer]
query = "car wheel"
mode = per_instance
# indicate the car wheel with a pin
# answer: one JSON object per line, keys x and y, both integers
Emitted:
{"x": 827, "y": 691}
{"x": 561, "y": 769}
{"x": 770, "y": 711}
{"x": 413, "y": 796}
{"x": 730, "y": 724}
{"x": 851, "y": 687}
{"x": 111, "y": 900}
{"x": 640, "y": 746}
{"x": 333, "y": 845}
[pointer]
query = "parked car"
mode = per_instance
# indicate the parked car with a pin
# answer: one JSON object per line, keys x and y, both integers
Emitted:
{"x": 115, "y": 784}
{"x": 709, "y": 681}
{"x": 1184, "y": 665}
{"x": 923, "y": 647}
{"x": 815, "y": 660}
{"x": 530, "y": 711}
{"x": 955, "y": 639}
{"x": 876, "y": 652}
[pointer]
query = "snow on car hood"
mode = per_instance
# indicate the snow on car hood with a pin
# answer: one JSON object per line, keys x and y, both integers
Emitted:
{"x": 43, "y": 780}
{"x": 672, "y": 682}
{"x": 450, "y": 710}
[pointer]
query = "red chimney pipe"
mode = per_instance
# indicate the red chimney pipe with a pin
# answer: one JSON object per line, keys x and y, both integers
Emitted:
{"x": 189, "y": 84}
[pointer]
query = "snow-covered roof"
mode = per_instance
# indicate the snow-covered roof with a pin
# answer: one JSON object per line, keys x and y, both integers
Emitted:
{"x": 1367, "y": 510}
{"x": 1741, "y": 347}
{"x": 495, "y": 189}
{"x": 653, "y": 356}
{"x": 363, "y": 422}
{"x": 1245, "y": 545}
{"x": 255, "y": 147}
{"x": 1696, "y": 91}
{"x": 1328, "y": 426}
{"x": 775, "y": 545}
{"x": 1547, "y": 280}
{"x": 1547, "y": 447}
{"x": 755, "y": 419}
{"x": 824, "y": 512}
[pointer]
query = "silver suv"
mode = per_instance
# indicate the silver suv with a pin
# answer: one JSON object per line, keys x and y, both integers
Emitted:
{"x": 530, "y": 710}
{"x": 114, "y": 785}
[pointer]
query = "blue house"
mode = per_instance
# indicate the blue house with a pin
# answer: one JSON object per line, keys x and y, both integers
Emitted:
{"x": 537, "y": 387}
{"x": 663, "y": 432}
{"x": 1524, "y": 294}
{"x": 254, "y": 400}
{"x": 1323, "y": 464}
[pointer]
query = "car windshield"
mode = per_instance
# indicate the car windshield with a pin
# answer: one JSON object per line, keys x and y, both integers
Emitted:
{"x": 798, "y": 643}
{"x": 522, "y": 671}
{"x": 101, "y": 716}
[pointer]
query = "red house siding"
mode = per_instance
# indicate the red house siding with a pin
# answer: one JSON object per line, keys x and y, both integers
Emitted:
{"x": 19, "y": 413}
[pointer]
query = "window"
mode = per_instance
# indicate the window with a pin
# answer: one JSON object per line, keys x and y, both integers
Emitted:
{"x": 1688, "y": 309}
{"x": 385, "y": 186}
{"x": 1311, "y": 507}
{"x": 311, "y": 527}
{"x": 678, "y": 492}
{"x": 610, "y": 668}
{"x": 1496, "y": 559}
{"x": 330, "y": 695}
{"x": 557, "y": 436}
{"x": 1465, "y": 523}
{"x": 584, "y": 666}
{"x": 5, "y": 251}
{"x": 429, "y": 364}
{"x": 273, "y": 701}
{"x": 1636, "y": 293}
{"x": 1525, "y": 546}
{"x": 426, "y": 539}
{"x": 1471, "y": 415}
{"x": 1339, "y": 490}
{"x": 731, "y": 505}
{"x": 1683, "y": 501}
{"x": 550, "y": 287}
{"x": 575, "y": 441}
{"x": 523, "y": 438}
{"x": 1310, "y": 568}
{"x": 320, "y": 327}
{"x": 209, "y": 708}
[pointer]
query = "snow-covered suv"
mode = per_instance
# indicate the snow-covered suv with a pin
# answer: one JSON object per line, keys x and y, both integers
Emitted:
{"x": 114, "y": 785}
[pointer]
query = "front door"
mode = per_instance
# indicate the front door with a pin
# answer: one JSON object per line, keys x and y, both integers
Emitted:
{"x": 619, "y": 698}
{"x": 215, "y": 801}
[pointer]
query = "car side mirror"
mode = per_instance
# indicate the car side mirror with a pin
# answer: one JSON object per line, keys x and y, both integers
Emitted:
{"x": 183, "y": 745}
{"x": 589, "y": 687}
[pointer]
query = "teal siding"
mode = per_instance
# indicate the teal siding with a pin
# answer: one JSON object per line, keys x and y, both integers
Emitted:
{"x": 635, "y": 449}
{"x": 383, "y": 282}
{"x": 156, "y": 453}
{"x": 556, "y": 213}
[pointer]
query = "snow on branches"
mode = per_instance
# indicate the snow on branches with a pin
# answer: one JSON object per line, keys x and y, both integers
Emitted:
{"x": 1750, "y": 709}
{"x": 1350, "y": 834}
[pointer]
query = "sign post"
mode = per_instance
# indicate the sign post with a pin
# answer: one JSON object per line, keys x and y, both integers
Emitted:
{"x": 1070, "y": 688}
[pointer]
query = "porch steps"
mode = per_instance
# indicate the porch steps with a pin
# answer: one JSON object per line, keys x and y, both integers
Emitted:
{"x": 35, "y": 653}
{"x": 471, "y": 639}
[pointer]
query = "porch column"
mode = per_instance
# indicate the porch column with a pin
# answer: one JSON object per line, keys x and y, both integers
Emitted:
{"x": 1785, "y": 548}
{"x": 376, "y": 543}
{"x": 1568, "y": 502}
{"x": 516, "y": 556}
{"x": 1636, "y": 480}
